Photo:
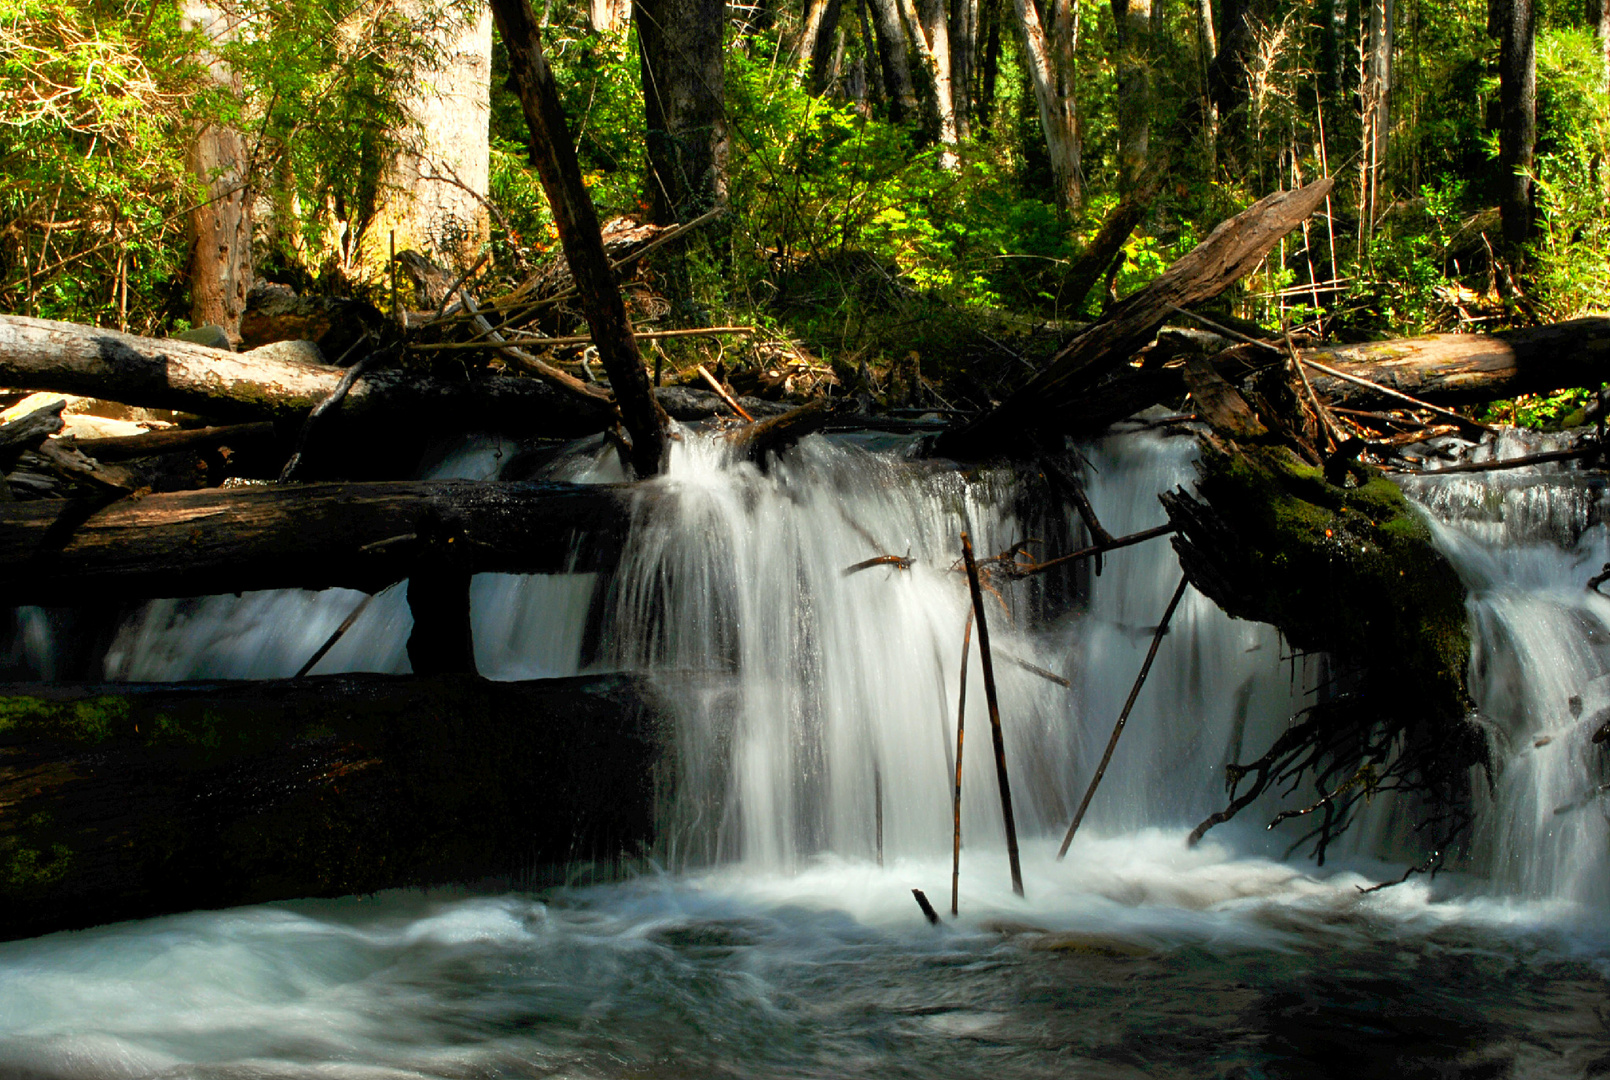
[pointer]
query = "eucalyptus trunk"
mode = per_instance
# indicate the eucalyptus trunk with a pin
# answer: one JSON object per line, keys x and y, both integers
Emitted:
{"x": 683, "y": 71}
{"x": 892, "y": 61}
{"x": 1133, "y": 19}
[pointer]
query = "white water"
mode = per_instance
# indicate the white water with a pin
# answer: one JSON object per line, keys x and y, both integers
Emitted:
{"x": 778, "y": 947}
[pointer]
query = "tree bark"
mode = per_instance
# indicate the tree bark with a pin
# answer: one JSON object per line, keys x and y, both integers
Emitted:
{"x": 990, "y": 64}
{"x": 892, "y": 60}
{"x": 1461, "y": 369}
{"x": 1377, "y": 109}
{"x": 1517, "y": 92}
{"x": 821, "y": 31}
{"x": 304, "y": 536}
{"x": 963, "y": 50}
{"x": 932, "y": 37}
{"x": 125, "y": 800}
{"x": 221, "y": 227}
{"x": 1133, "y": 19}
{"x": 1051, "y": 69}
{"x": 679, "y": 42}
{"x": 1229, "y": 253}
{"x": 274, "y": 382}
{"x": 577, "y": 221}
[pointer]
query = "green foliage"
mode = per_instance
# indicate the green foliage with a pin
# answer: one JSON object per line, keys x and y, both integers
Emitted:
{"x": 1573, "y": 249}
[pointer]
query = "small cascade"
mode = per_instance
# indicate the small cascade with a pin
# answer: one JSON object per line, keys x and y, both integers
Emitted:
{"x": 1526, "y": 542}
{"x": 807, "y": 695}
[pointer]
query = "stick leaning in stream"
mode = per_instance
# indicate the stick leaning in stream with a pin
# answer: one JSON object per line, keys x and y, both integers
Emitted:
{"x": 1123, "y": 718}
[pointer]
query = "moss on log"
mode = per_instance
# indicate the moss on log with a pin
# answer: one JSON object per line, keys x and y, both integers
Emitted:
{"x": 120, "y": 800}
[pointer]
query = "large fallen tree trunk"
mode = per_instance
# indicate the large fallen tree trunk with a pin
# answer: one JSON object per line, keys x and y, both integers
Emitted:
{"x": 126, "y": 800}
{"x": 313, "y": 536}
{"x": 277, "y": 381}
{"x": 1460, "y": 369}
{"x": 1230, "y": 252}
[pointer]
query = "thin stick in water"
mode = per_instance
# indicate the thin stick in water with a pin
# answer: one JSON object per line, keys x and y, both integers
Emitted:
{"x": 994, "y": 714}
{"x": 877, "y": 808}
{"x": 956, "y": 800}
{"x": 1123, "y": 718}
{"x": 340, "y": 631}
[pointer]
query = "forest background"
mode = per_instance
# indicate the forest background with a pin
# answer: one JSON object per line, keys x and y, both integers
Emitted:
{"x": 899, "y": 179}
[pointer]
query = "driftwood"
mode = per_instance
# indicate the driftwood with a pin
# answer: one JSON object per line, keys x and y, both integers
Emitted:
{"x": 1231, "y": 251}
{"x": 28, "y": 432}
{"x": 314, "y": 536}
{"x": 127, "y": 800}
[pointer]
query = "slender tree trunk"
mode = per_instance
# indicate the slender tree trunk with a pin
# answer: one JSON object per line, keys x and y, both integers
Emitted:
{"x": 1517, "y": 91}
{"x": 963, "y": 50}
{"x": 1050, "y": 64}
{"x": 823, "y": 43}
{"x": 991, "y": 63}
{"x": 221, "y": 229}
{"x": 1377, "y": 111}
{"x": 1133, "y": 19}
{"x": 577, "y": 222}
{"x": 683, "y": 74}
{"x": 891, "y": 35}
{"x": 932, "y": 35}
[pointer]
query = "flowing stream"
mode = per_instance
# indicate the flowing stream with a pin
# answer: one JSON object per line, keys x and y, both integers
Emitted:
{"x": 762, "y": 937}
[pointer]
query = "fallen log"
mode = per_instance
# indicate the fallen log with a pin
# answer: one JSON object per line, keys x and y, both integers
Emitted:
{"x": 274, "y": 382}
{"x": 313, "y": 536}
{"x": 1231, "y": 251}
{"x": 126, "y": 800}
{"x": 1463, "y": 369}
{"x": 155, "y": 443}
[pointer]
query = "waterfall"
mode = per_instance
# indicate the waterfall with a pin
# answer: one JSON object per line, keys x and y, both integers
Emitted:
{"x": 1525, "y": 543}
{"x": 802, "y": 692}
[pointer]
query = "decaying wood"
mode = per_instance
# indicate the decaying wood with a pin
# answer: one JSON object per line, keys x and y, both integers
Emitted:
{"x": 174, "y": 441}
{"x": 732, "y": 402}
{"x": 1218, "y": 403}
{"x": 1462, "y": 369}
{"x": 314, "y": 536}
{"x": 985, "y": 661}
{"x": 1576, "y": 454}
{"x": 126, "y": 800}
{"x": 776, "y": 434}
{"x": 28, "y": 432}
{"x": 1231, "y": 251}
{"x": 277, "y": 381}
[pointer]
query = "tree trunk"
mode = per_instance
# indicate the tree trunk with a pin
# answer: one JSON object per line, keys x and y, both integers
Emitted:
{"x": 277, "y": 381}
{"x": 991, "y": 63}
{"x": 821, "y": 34}
{"x": 573, "y": 213}
{"x": 1461, "y": 369}
{"x": 892, "y": 60}
{"x": 608, "y": 16}
{"x": 1133, "y": 19}
{"x": 1377, "y": 110}
{"x": 221, "y": 228}
{"x": 1233, "y": 250}
{"x": 1051, "y": 69}
{"x": 932, "y": 36}
{"x": 963, "y": 49}
{"x": 434, "y": 195}
{"x": 307, "y": 536}
{"x": 127, "y": 800}
{"x": 1227, "y": 75}
{"x": 1517, "y": 92}
{"x": 679, "y": 42}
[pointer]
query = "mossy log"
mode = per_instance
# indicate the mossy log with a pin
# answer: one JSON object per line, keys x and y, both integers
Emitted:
{"x": 310, "y": 536}
{"x": 123, "y": 800}
{"x": 1350, "y": 572}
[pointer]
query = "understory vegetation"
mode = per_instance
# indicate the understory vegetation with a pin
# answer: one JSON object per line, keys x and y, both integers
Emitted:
{"x": 846, "y": 237}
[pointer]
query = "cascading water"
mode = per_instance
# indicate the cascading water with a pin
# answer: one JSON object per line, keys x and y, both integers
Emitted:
{"x": 773, "y": 945}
